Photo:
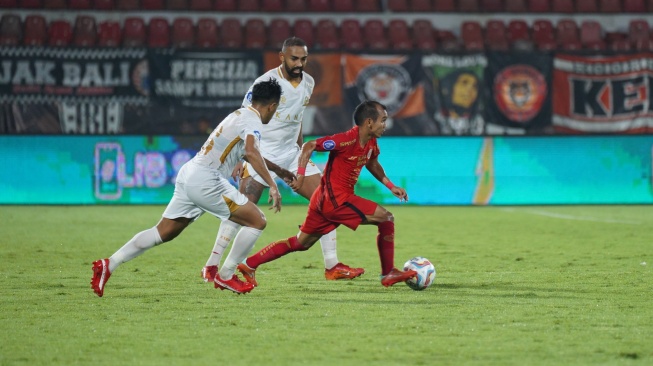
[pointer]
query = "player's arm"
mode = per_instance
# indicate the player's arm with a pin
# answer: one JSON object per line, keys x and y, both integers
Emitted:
{"x": 282, "y": 173}
{"x": 255, "y": 159}
{"x": 300, "y": 138}
{"x": 378, "y": 172}
{"x": 304, "y": 157}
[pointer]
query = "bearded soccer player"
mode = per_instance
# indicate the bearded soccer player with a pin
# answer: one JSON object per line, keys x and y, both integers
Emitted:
{"x": 281, "y": 140}
{"x": 334, "y": 202}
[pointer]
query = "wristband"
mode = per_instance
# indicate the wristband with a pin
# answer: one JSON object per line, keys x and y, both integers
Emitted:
{"x": 389, "y": 184}
{"x": 301, "y": 171}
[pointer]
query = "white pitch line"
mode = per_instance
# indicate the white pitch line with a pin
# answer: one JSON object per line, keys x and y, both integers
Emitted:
{"x": 572, "y": 217}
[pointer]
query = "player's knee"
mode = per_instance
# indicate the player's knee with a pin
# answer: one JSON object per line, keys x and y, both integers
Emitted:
{"x": 260, "y": 223}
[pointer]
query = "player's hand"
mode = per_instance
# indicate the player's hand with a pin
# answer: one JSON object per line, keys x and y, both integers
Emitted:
{"x": 400, "y": 193}
{"x": 286, "y": 175}
{"x": 238, "y": 169}
{"x": 297, "y": 183}
{"x": 275, "y": 199}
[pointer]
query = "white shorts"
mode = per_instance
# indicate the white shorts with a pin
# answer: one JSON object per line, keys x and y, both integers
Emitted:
{"x": 288, "y": 162}
{"x": 200, "y": 189}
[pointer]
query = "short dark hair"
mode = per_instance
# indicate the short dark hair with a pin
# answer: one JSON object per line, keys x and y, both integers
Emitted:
{"x": 291, "y": 42}
{"x": 366, "y": 110}
{"x": 266, "y": 92}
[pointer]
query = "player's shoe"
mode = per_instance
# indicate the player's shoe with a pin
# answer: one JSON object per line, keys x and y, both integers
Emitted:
{"x": 248, "y": 273}
{"x": 101, "y": 275}
{"x": 209, "y": 272}
{"x": 397, "y": 276}
{"x": 234, "y": 284}
{"x": 342, "y": 272}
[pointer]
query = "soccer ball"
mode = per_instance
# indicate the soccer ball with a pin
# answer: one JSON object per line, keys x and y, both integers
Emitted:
{"x": 425, "y": 273}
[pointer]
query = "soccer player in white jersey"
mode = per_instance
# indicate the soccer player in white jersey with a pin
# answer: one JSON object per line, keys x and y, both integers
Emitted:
{"x": 202, "y": 186}
{"x": 281, "y": 143}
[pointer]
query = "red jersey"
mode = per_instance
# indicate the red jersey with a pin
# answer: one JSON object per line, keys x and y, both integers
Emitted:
{"x": 346, "y": 159}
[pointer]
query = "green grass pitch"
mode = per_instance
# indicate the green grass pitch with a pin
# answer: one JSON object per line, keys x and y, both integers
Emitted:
{"x": 551, "y": 285}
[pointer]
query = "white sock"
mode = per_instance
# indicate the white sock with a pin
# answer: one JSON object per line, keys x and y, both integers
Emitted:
{"x": 328, "y": 244}
{"x": 227, "y": 231}
{"x": 136, "y": 246}
{"x": 243, "y": 244}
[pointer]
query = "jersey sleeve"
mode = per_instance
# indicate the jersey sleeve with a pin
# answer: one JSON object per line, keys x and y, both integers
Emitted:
{"x": 375, "y": 150}
{"x": 335, "y": 142}
{"x": 250, "y": 126}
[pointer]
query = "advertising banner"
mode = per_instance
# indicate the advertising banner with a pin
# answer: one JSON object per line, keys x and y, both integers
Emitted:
{"x": 603, "y": 94}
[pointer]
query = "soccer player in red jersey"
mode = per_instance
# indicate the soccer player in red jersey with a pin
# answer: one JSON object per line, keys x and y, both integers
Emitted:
{"x": 334, "y": 203}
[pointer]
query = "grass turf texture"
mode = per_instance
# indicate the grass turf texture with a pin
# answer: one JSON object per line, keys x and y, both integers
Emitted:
{"x": 519, "y": 285}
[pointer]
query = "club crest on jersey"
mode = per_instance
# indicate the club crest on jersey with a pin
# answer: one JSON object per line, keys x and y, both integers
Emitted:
{"x": 328, "y": 145}
{"x": 249, "y": 96}
{"x": 258, "y": 135}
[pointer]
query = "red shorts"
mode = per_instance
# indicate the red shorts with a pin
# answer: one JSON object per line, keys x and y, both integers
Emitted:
{"x": 351, "y": 214}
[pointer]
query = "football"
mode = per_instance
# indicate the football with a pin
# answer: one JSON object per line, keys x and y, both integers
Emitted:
{"x": 425, "y": 273}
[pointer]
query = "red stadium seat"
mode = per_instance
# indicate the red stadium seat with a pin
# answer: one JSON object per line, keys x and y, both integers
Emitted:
{"x": 183, "y": 33}
{"x": 590, "y": 33}
{"x": 31, "y": 4}
{"x": 8, "y": 4}
{"x": 650, "y": 6}
{"x": 620, "y": 45}
{"x": 518, "y": 35}
{"x": 134, "y": 32}
{"x": 158, "y": 33}
{"x": 320, "y": 6}
{"x": 516, "y": 6}
{"x": 371, "y": 6}
{"x": 472, "y": 36}
{"x": 566, "y": 31}
{"x": 79, "y": 4}
{"x": 60, "y": 33}
{"x": 440, "y": 6}
{"x": 539, "y": 6}
{"x": 587, "y": 6}
{"x": 423, "y": 35}
{"x": 54, "y": 4}
{"x": 543, "y": 30}
{"x": 231, "y": 33}
{"x": 352, "y": 35}
{"x": 104, "y": 4}
{"x": 255, "y": 33}
{"x": 635, "y": 6}
{"x": 374, "y": 35}
{"x": 398, "y": 5}
{"x": 85, "y": 32}
{"x": 645, "y": 45}
{"x": 638, "y": 31}
{"x": 35, "y": 30}
{"x": 448, "y": 41}
{"x": 278, "y": 31}
{"x": 303, "y": 28}
{"x": 225, "y": 5}
{"x": 11, "y": 33}
{"x": 273, "y": 6}
{"x": 468, "y": 6}
{"x": 399, "y": 34}
{"x": 201, "y": 5}
{"x": 295, "y": 6}
{"x": 491, "y": 6}
{"x": 152, "y": 4}
{"x": 562, "y": 6}
{"x": 177, "y": 5}
{"x": 610, "y": 6}
{"x": 326, "y": 35}
{"x": 109, "y": 34}
{"x": 207, "y": 33}
{"x": 128, "y": 4}
{"x": 248, "y": 5}
{"x": 343, "y": 6}
{"x": 570, "y": 45}
{"x": 495, "y": 36}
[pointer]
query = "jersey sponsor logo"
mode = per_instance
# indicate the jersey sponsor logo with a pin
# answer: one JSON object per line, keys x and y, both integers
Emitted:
{"x": 305, "y": 101}
{"x": 249, "y": 97}
{"x": 519, "y": 91}
{"x": 328, "y": 145}
{"x": 347, "y": 143}
{"x": 386, "y": 83}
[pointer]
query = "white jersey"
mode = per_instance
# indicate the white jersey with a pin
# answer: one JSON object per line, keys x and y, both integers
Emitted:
{"x": 279, "y": 137}
{"x": 226, "y": 145}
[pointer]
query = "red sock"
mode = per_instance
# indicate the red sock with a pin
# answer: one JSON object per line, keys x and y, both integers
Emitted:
{"x": 273, "y": 251}
{"x": 385, "y": 242}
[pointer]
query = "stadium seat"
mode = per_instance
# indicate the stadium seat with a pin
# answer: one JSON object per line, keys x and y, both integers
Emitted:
{"x": 54, "y": 4}
{"x": 424, "y": 35}
{"x": 638, "y": 31}
{"x": 319, "y": 6}
{"x": 566, "y": 31}
{"x": 645, "y": 45}
{"x": 11, "y": 33}
{"x": 60, "y": 33}
{"x": 587, "y": 6}
{"x": 207, "y": 33}
{"x": 134, "y": 32}
{"x": 650, "y": 5}
{"x": 295, "y": 6}
{"x": 518, "y": 35}
{"x": 109, "y": 34}
{"x": 225, "y": 5}
{"x": 448, "y": 41}
{"x": 79, "y": 4}
{"x": 543, "y": 30}
{"x": 495, "y": 36}
{"x": 200, "y": 5}
{"x": 343, "y": 6}
{"x": 620, "y": 45}
{"x": 85, "y": 32}
{"x": 562, "y": 6}
{"x": 303, "y": 28}
{"x": 491, "y": 6}
{"x": 472, "y": 36}
{"x": 278, "y": 31}
{"x": 468, "y": 6}
{"x": 539, "y": 6}
{"x": 439, "y": 6}
{"x": 398, "y": 6}
{"x": 128, "y": 4}
{"x": 231, "y": 33}
{"x": 351, "y": 34}
{"x": 248, "y": 5}
{"x": 590, "y": 33}
{"x": 35, "y": 30}
{"x": 516, "y": 6}
{"x": 183, "y": 33}
{"x": 272, "y": 6}
{"x": 326, "y": 35}
{"x": 634, "y": 6}
{"x": 255, "y": 33}
{"x": 399, "y": 34}
{"x": 610, "y": 6}
{"x": 31, "y": 4}
{"x": 152, "y": 4}
{"x": 104, "y": 4}
{"x": 368, "y": 6}
{"x": 374, "y": 35}
{"x": 570, "y": 45}
{"x": 158, "y": 33}
{"x": 8, "y": 4}
{"x": 177, "y": 5}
